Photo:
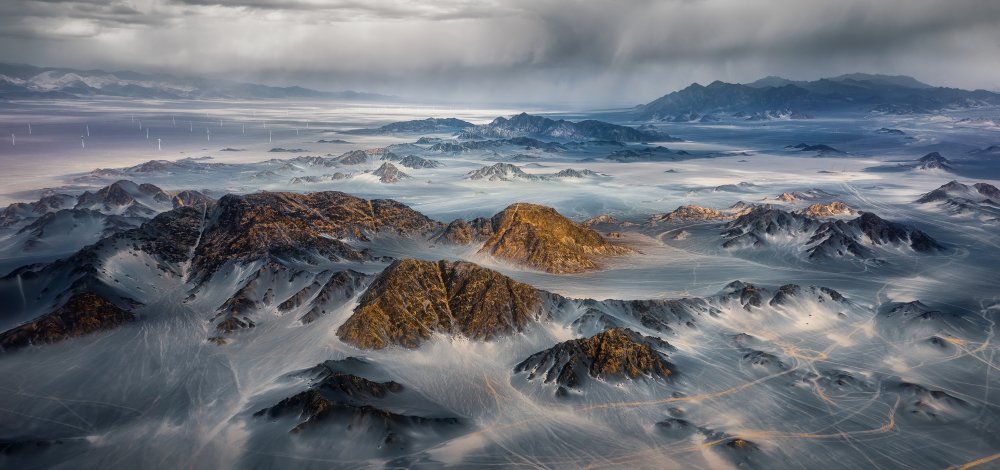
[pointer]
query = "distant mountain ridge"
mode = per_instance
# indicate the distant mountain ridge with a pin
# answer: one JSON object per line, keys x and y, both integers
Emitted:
{"x": 776, "y": 96}
{"x": 28, "y": 81}
{"x": 526, "y": 125}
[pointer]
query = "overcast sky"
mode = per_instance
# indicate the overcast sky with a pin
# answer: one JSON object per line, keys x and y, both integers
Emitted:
{"x": 593, "y": 51}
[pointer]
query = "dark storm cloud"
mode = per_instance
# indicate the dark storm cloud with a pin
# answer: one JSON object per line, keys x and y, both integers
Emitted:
{"x": 596, "y": 50}
{"x": 56, "y": 19}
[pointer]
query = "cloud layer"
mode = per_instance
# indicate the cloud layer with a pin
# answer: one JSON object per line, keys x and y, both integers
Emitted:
{"x": 593, "y": 51}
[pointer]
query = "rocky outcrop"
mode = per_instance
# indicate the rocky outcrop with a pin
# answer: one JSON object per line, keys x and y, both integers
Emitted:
{"x": 412, "y": 299}
{"x": 933, "y": 161}
{"x": 821, "y": 150}
{"x": 835, "y": 238}
{"x": 573, "y": 173}
{"x": 804, "y": 195}
{"x": 353, "y": 157}
{"x": 337, "y": 176}
{"x": 525, "y": 125}
{"x": 753, "y": 228}
{"x": 126, "y": 198}
{"x": 540, "y": 238}
{"x": 977, "y": 192}
{"x": 300, "y": 225}
{"x": 191, "y": 198}
{"x": 82, "y": 314}
{"x": 339, "y": 397}
{"x": 689, "y": 213}
{"x": 841, "y": 235}
{"x": 501, "y": 172}
{"x": 615, "y": 355}
{"x": 460, "y": 232}
{"x": 750, "y": 296}
{"x": 415, "y": 162}
{"x": 331, "y": 396}
{"x": 600, "y": 220}
{"x": 832, "y": 209}
{"x": 644, "y": 154}
{"x": 341, "y": 287}
{"x": 388, "y": 173}
{"x": 19, "y": 211}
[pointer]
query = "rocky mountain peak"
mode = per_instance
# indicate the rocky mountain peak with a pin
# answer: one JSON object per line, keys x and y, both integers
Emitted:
{"x": 615, "y": 355}
{"x": 388, "y": 173}
{"x": 500, "y": 172}
{"x": 541, "y": 238}
{"x": 245, "y": 227}
{"x": 413, "y": 299}
{"x": 82, "y": 314}
{"x": 832, "y": 209}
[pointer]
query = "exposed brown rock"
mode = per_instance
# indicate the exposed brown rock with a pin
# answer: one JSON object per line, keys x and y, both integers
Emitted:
{"x": 171, "y": 235}
{"x": 361, "y": 405}
{"x": 539, "y": 237}
{"x": 337, "y": 393}
{"x": 600, "y": 219}
{"x": 253, "y": 225}
{"x": 461, "y": 232}
{"x": 617, "y": 354}
{"x": 388, "y": 173}
{"x": 191, "y": 198}
{"x": 412, "y": 299}
{"x": 692, "y": 213}
{"x": 83, "y": 314}
{"x": 833, "y": 209}
{"x": 742, "y": 444}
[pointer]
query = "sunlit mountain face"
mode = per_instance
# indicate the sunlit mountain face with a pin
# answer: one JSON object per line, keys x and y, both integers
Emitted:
{"x": 232, "y": 238}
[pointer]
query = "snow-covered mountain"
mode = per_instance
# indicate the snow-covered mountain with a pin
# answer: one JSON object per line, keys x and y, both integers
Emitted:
{"x": 62, "y": 223}
{"x": 862, "y": 237}
{"x": 26, "y": 81}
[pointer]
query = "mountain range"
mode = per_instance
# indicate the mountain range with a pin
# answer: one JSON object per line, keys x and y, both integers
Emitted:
{"x": 776, "y": 97}
{"x": 526, "y": 125}
{"x": 28, "y": 81}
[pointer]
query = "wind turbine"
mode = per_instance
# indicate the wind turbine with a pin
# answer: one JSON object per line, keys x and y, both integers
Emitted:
{"x": 244, "y": 129}
{"x": 192, "y": 125}
{"x": 158, "y": 146}
{"x": 208, "y": 135}
{"x": 83, "y": 143}
{"x": 13, "y": 142}
{"x": 88, "y": 130}
{"x": 173, "y": 120}
{"x": 29, "y": 128}
{"x": 147, "y": 133}
{"x": 268, "y": 136}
